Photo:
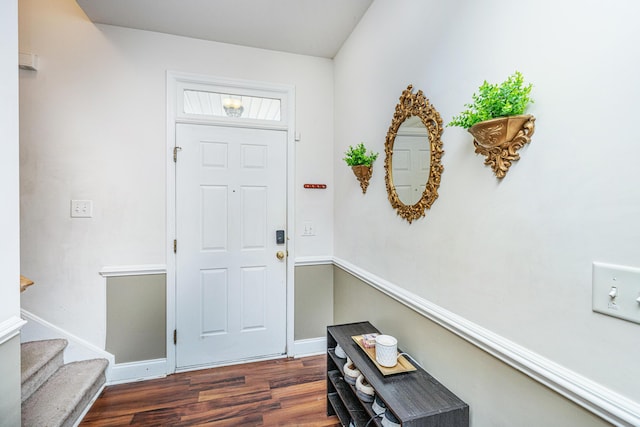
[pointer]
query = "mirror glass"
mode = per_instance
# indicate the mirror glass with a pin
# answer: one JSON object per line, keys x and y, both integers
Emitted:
{"x": 413, "y": 153}
{"x": 411, "y": 160}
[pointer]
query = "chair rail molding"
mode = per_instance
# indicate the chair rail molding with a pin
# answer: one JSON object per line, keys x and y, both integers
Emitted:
{"x": 10, "y": 328}
{"x": 594, "y": 397}
{"x": 133, "y": 270}
{"x": 314, "y": 260}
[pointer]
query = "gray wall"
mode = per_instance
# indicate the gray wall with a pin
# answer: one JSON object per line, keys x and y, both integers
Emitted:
{"x": 136, "y": 320}
{"x": 313, "y": 301}
{"x": 136, "y": 312}
{"x": 497, "y": 394}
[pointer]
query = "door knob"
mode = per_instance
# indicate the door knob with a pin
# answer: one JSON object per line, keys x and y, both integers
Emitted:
{"x": 280, "y": 255}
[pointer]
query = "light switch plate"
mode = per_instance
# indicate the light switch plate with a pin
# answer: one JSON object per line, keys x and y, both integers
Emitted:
{"x": 308, "y": 229}
{"x": 81, "y": 209}
{"x": 616, "y": 291}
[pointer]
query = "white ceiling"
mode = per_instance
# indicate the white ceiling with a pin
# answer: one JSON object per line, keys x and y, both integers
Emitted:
{"x": 308, "y": 27}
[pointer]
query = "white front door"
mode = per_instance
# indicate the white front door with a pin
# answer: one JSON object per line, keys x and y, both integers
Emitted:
{"x": 230, "y": 285}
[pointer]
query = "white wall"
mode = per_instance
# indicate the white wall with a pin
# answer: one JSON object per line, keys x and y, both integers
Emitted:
{"x": 93, "y": 122}
{"x": 9, "y": 211}
{"x": 512, "y": 256}
{"x": 9, "y": 217}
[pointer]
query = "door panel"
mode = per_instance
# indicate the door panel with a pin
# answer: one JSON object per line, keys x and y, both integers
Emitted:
{"x": 411, "y": 167}
{"x": 231, "y": 288}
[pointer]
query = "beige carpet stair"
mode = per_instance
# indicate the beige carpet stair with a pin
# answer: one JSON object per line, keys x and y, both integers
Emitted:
{"x": 55, "y": 394}
{"x": 39, "y": 360}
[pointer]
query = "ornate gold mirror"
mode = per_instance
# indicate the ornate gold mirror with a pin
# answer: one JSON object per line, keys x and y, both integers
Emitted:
{"x": 413, "y": 153}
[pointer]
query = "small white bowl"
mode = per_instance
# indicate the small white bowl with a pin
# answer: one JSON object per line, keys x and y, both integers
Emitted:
{"x": 389, "y": 420}
{"x": 340, "y": 352}
{"x": 364, "y": 390}
{"x": 378, "y": 406}
{"x": 351, "y": 373}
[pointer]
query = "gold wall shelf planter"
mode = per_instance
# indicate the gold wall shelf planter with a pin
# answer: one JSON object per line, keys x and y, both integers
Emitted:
{"x": 500, "y": 139}
{"x": 363, "y": 173}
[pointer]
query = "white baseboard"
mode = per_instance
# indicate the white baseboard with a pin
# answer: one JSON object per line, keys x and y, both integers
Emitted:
{"x": 137, "y": 371}
{"x": 37, "y": 328}
{"x": 310, "y": 347}
{"x": 594, "y": 397}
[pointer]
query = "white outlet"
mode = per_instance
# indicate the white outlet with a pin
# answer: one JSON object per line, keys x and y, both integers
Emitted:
{"x": 308, "y": 229}
{"x": 81, "y": 209}
{"x": 616, "y": 291}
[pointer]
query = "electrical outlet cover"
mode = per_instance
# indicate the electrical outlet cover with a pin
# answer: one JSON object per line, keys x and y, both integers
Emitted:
{"x": 81, "y": 209}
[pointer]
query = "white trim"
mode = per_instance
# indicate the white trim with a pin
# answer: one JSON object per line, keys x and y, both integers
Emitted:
{"x": 310, "y": 347}
{"x": 314, "y": 260}
{"x": 228, "y": 123}
{"x": 137, "y": 371}
{"x": 289, "y": 106}
{"x": 199, "y": 82}
{"x": 89, "y": 405}
{"x": 287, "y": 96}
{"x": 170, "y": 212}
{"x": 133, "y": 270}
{"x": 10, "y": 328}
{"x": 84, "y": 347}
{"x": 594, "y": 397}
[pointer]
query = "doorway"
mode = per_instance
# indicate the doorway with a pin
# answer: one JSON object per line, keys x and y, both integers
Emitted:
{"x": 229, "y": 282}
{"x": 230, "y": 265}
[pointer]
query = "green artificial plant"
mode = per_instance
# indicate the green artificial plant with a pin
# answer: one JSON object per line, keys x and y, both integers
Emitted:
{"x": 510, "y": 98}
{"x": 357, "y": 155}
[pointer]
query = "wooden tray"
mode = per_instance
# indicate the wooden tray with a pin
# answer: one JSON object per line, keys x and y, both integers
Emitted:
{"x": 403, "y": 364}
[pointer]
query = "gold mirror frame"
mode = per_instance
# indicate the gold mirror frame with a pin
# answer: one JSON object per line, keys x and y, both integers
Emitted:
{"x": 415, "y": 105}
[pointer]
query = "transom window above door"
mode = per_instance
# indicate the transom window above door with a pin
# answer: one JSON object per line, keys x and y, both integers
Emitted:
{"x": 231, "y": 105}
{"x": 241, "y": 105}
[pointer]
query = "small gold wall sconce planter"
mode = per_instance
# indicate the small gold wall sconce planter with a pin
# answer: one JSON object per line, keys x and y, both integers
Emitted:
{"x": 363, "y": 173}
{"x": 361, "y": 162}
{"x": 500, "y": 139}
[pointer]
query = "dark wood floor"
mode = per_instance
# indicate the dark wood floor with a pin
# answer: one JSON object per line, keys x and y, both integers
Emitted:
{"x": 283, "y": 392}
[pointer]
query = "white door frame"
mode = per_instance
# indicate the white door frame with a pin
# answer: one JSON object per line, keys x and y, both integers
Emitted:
{"x": 286, "y": 93}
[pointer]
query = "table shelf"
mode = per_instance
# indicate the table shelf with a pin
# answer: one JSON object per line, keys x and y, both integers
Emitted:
{"x": 415, "y": 398}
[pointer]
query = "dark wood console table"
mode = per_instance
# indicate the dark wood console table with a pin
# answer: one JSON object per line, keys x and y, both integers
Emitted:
{"x": 415, "y": 398}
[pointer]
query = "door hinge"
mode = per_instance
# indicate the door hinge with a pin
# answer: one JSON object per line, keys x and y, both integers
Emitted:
{"x": 175, "y": 246}
{"x": 175, "y": 336}
{"x": 175, "y": 153}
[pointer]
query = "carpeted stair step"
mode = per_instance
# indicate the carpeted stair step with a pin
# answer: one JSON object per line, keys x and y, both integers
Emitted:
{"x": 39, "y": 360}
{"x": 65, "y": 395}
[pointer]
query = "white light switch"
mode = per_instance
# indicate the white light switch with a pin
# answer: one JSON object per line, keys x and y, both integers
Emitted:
{"x": 81, "y": 209}
{"x": 616, "y": 291}
{"x": 309, "y": 229}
